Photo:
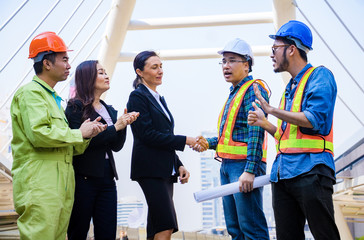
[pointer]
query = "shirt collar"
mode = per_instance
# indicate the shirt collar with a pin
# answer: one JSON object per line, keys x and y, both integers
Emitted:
{"x": 49, "y": 89}
{"x": 154, "y": 94}
{"x": 44, "y": 84}
{"x": 297, "y": 79}
{"x": 248, "y": 78}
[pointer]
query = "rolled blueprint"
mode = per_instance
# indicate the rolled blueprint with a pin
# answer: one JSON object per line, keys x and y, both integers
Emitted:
{"x": 227, "y": 189}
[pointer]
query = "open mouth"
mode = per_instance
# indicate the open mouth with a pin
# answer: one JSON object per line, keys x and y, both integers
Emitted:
{"x": 227, "y": 74}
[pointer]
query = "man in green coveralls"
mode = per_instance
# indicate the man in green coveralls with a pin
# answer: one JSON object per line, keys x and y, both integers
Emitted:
{"x": 43, "y": 145}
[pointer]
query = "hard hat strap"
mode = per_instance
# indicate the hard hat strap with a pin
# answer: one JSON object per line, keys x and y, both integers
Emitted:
{"x": 40, "y": 56}
{"x": 299, "y": 44}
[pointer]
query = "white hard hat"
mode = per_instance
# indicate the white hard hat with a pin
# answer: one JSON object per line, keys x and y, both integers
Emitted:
{"x": 238, "y": 46}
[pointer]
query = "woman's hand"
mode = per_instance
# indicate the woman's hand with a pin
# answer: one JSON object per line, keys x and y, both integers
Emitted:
{"x": 90, "y": 129}
{"x": 184, "y": 175}
{"x": 190, "y": 141}
{"x": 125, "y": 119}
{"x": 201, "y": 144}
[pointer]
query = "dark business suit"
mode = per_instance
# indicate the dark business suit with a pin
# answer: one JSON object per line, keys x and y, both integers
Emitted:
{"x": 154, "y": 157}
{"x": 95, "y": 193}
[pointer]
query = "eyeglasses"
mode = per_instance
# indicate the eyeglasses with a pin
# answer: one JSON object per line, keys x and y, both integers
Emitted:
{"x": 274, "y": 47}
{"x": 230, "y": 62}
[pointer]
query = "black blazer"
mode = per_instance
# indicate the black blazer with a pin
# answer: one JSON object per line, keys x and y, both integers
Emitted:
{"x": 91, "y": 162}
{"x": 154, "y": 144}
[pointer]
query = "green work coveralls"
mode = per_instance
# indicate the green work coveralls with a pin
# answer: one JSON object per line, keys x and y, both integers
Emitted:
{"x": 42, "y": 148}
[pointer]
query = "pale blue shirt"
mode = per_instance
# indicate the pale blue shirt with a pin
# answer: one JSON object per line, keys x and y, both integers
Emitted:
{"x": 318, "y": 103}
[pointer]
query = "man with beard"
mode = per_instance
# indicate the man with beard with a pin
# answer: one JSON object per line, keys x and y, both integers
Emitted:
{"x": 303, "y": 172}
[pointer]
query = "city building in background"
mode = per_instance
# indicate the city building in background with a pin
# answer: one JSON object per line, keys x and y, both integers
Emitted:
{"x": 130, "y": 212}
{"x": 212, "y": 210}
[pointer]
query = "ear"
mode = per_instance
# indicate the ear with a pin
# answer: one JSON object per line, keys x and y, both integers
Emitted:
{"x": 246, "y": 66}
{"x": 292, "y": 49}
{"x": 140, "y": 73}
{"x": 47, "y": 64}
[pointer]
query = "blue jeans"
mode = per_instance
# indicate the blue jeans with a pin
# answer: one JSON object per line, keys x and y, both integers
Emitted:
{"x": 243, "y": 212}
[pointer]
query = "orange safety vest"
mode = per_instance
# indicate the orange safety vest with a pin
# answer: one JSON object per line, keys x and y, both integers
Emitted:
{"x": 292, "y": 140}
{"x": 226, "y": 146}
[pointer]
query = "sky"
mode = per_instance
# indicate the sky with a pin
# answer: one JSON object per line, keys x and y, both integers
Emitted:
{"x": 195, "y": 90}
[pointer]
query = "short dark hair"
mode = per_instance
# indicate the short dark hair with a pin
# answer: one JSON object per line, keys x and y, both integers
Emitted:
{"x": 38, "y": 66}
{"x": 248, "y": 59}
{"x": 139, "y": 63}
{"x": 303, "y": 54}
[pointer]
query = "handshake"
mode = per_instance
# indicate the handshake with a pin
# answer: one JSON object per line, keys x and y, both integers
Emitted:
{"x": 199, "y": 144}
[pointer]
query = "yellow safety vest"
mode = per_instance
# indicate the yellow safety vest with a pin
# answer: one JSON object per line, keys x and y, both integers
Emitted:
{"x": 292, "y": 140}
{"x": 226, "y": 146}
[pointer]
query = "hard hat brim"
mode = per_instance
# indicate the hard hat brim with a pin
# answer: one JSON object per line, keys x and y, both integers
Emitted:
{"x": 273, "y": 36}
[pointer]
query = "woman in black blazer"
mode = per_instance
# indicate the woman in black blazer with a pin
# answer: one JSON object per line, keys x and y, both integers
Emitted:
{"x": 95, "y": 193}
{"x": 155, "y": 164}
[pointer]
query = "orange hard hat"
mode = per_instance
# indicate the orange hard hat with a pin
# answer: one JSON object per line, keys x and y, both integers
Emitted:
{"x": 45, "y": 42}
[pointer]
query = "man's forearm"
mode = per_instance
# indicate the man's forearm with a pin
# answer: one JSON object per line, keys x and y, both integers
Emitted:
{"x": 269, "y": 127}
{"x": 296, "y": 118}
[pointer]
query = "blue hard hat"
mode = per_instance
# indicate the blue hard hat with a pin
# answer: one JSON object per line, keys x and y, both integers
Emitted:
{"x": 297, "y": 30}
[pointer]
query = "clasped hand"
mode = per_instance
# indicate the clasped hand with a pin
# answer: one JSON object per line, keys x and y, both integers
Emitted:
{"x": 90, "y": 129}
{"x": 126, "y": 119}
{"x": 199, "y": 144}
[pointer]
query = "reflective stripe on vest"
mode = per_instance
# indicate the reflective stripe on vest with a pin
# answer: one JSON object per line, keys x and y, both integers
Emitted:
{"x": 292, "y": 140}
{"x": 227, "y": 147}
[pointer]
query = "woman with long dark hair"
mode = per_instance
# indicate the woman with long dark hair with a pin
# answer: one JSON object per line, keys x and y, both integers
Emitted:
{"x": 155, "y": 164}
{"x": 95, "y": 193}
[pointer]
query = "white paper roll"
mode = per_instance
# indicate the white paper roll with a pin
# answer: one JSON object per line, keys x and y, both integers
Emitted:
{"x": 228, "y": 189}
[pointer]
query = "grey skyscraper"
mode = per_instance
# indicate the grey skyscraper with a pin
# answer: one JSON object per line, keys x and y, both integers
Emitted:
{"x": 212, "y": 210}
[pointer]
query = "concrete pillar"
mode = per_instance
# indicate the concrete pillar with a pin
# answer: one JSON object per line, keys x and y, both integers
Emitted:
{"x": 113, "y": 39}
{"x": 283, "y": 11}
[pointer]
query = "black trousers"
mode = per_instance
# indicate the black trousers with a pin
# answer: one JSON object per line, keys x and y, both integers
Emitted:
{"x": 95, "y": 198}
{"x": 300, "y": 198}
